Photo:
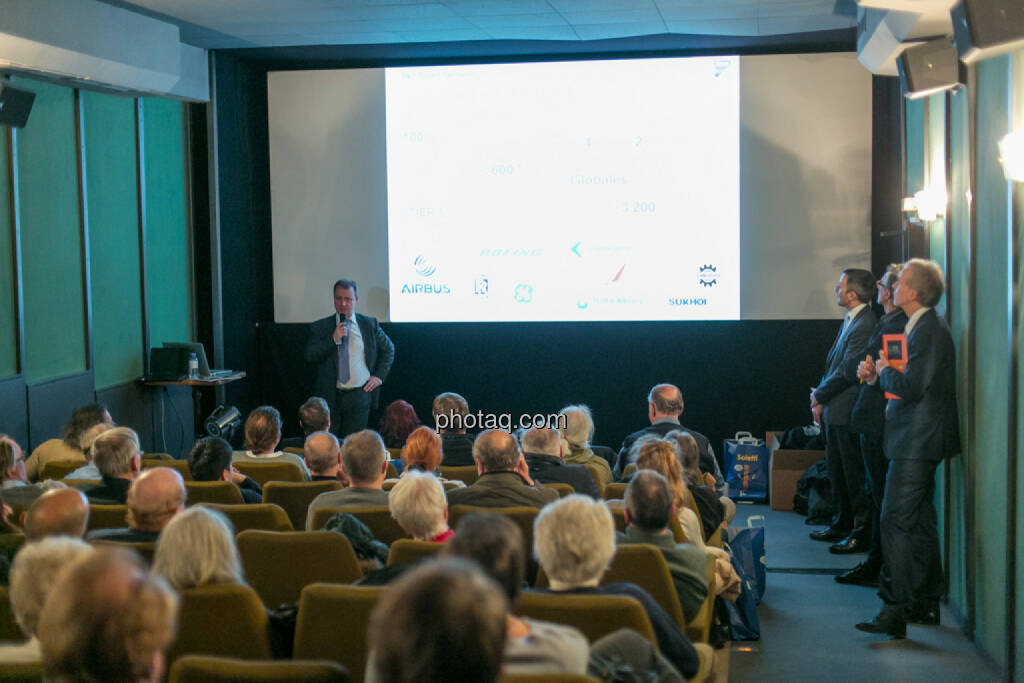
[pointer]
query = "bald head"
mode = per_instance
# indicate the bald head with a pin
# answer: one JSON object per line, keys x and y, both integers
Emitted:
{"x": 323, "y": 454}
{"x": 155, "y": 496}
{"x": 61, "y": 512}
{"x": 496, "y": 451}
{"x": 665, "y": 400}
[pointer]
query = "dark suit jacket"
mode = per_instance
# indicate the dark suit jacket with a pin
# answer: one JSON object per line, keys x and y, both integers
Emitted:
{"x": 113, "y": 491}
{"x": 457, "y": 450}
{"x": 838, "y": 387}
{"x": 868, "y": 413}
{"x": 922, "y": 424}
{"x": 378, "y": 352}
{"x": 502, "y": 489}
{"x": 548, "y": 469}
{"x": 707, "y": 460}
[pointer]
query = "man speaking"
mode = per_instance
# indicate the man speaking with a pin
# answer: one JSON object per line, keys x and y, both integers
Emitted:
{"x": 352, "y": 360}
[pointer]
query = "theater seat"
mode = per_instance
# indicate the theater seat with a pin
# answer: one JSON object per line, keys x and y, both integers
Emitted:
{"x": 645, "y": 566}
{"x": 254, "y": 516}
{"x": 615, "y": 491}
{"x": 147, "y": 549}
{"x": 699, "y": 628}
{"x": 409, "y": 550}
{"x": 262, "y": 472}
{"x": 200, "y": 669}
{"x": 180, "y": 465}
{"x": 549, "y": 678}
{"x": 225, "y": 620}
{"x": 280, "y": 564}
{"x": 594, "y": 615}
{"x": 294, "y": 497}
{"x": 333, "y": 623}
{"x": 21, "y": 672}
{"x": 220, "y": 492}
{"x": 107, "y": 517}
{"x": 58, "y": 469}
{"x": 377, "y": 517}
{"x": 563, "y": 489}
{"x": 464, "y": 473}
{"x": 9, "y": 629}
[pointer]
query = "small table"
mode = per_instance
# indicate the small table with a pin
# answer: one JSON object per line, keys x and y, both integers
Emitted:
{"x": 197, "y": 394}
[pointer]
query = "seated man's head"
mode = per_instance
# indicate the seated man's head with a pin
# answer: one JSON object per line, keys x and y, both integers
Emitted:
{"x": 422, "y": 450}
{"x": 542, "y": 441}
{"x": 577, "y": 426}
{"x": 442, "y": 622}
{"x": 495, "y": 543}
{"x": 81, "y": 420}
{"x": 574, "y": 540}
{"x": 322, "y": 454}
{"x": 197, "y": 548}
{"x": 156, "y": 495}
{"x": 116, "y": 453}
{"x": 12, "y": 461}
{"x": 649, "y": 504}
{"x": 450, "y": 410}
{"x": 33, "y": 572}
{"x": 314, "y": 415}
{"x": 263, "y": 430}
{"x": 664, "y": 400}
{"x": 364, "y": 459}
{"x": 496, "y": 451}
{"x": 418, "y": 504}
{"x": 210, "y": 460}
{"x": 61, "y": 512}
{"x": 107, "y": 619}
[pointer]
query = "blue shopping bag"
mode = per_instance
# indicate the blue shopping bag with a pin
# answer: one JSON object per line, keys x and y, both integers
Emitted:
{"x": 748, "y": 559}
{"x": 746, "y": 467}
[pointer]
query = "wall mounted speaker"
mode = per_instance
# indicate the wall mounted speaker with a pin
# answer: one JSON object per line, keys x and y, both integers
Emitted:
{"x": 15, "y": 104}
{"x": 987, "y": 28}
{"x": 929, "y": 68}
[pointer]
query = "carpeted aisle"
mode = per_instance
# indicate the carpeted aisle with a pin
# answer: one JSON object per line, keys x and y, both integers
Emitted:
{"x": 807, "y": 620}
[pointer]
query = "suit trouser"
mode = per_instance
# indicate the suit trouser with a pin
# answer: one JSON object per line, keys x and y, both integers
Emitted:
{"x": 877, "y": 467}
{"x": 350, "y": 411}
{"x": 912, "y": 570}
{"x": 850, "y": 504}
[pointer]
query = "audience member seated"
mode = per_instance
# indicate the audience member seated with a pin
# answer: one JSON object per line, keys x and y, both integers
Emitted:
{"x": 649, "y": 509}
{"x": 32, "y": 575}
{"x": 418, "y": 504}
{"x": 210, "y": 460}
{"x": 197, "y": 548}
{"x": 532, "y": 647}
{"x": 664, "y": 407}
{"x": 155, "y": 497}
{"x": 323, "y": 456}
{"x": 262, "y": 434}
{"x": 504, "y": 476}
{"x": 398, "y": 423}
{"x": 89, "y": 470}
{"x": 574, "y": 540}
{"x": 422, "y": 453}
{"x": 68, "y": 448}
{"x": 577, "y": 430}
{"x": 543, "y": 450}
{"x": 364, "y": 462}
{"x": 117, "y": 454}
{"x": 314, "y": 416}
{"x": 715, "y": 510}
{"x": 451, "y": 409}
{"x": 443, "y": 622}
{"x": 660, "y": 455}
{"x": 107, "y": 619}
{"x": 17, "y": 490}
{"x": 61, "y": 512}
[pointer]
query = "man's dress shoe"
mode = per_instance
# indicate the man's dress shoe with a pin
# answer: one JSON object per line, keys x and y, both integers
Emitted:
{"x": 849, "y": 545}
{"x": 925, "y": 613}
{"x": 828, "y": 535}
{"x": 889, "y": 622}
{"x": 861, "y": 575}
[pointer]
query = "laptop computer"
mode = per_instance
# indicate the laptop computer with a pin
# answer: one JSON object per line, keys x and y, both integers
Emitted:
{"x": 204, "y": 367}
{"x": 167, "y": 365}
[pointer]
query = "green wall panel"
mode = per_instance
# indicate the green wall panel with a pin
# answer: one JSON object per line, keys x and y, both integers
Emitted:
{"x": 915, "y": 144}
{"x": 109, "y": 133}
{"x": 992, "y": 386}
{"x": 50, "y": 237}
{"x": 936, "y": 178}
{"x": 1018, "y": 123}
{"x": 958, "y": 296}
{"x": 168, "y": 245}
{"x": 8, "y": 320}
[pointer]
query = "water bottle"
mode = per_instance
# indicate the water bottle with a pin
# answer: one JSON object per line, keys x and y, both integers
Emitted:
{"x": 193, "y": 367}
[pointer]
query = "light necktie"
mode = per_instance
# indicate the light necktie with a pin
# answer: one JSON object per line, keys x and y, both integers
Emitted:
{"x": 343, "y": 371}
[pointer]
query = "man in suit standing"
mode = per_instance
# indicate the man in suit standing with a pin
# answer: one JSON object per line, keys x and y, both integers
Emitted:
{"x": 921, "y": 428}
{"x": 352, "y": 361}
{"x": 831, "y": 403}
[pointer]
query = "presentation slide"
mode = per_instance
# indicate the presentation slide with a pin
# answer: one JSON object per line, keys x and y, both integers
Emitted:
{"x": 564, "y": 191}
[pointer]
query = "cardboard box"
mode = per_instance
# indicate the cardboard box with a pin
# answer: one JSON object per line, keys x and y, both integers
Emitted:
{"x": 785, "y": 467}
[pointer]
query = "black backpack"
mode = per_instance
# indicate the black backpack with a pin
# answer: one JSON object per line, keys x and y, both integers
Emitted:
{"x": 814, "y": 495}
